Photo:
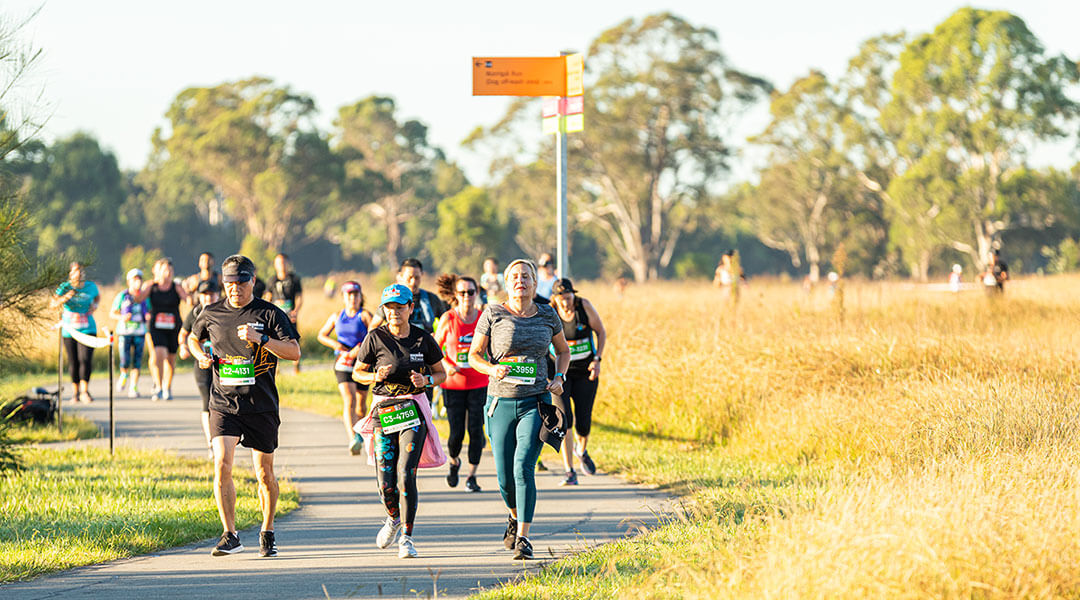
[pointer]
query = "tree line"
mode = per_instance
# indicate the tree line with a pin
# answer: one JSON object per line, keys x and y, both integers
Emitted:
{"x": 916, "y": 157}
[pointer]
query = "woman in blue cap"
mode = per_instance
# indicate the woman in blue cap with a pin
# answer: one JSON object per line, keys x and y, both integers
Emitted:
{"x": 399, "y": 361}
{"x": 510, "y": 346}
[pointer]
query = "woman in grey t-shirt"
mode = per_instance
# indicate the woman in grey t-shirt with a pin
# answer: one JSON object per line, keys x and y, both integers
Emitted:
{"x": 509, "y": 346}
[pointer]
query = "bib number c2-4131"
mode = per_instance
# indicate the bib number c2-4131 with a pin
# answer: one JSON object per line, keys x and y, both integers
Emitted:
{"x": 236, "y": 371}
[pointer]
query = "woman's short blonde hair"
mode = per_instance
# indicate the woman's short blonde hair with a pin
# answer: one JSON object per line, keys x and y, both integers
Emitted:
{"x": 520, "y": 261}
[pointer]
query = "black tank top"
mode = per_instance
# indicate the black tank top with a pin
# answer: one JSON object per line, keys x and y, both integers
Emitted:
{"x": 164, "y": 301}
{"x": 578, "y": 334}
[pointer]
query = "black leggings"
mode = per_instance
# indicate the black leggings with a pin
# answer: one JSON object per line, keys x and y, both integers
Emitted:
{"x": 397, "y": 456}
{"x": 578, "y": 388}
{"x": 79, "y": 360}
{"x": 462, "y": 404}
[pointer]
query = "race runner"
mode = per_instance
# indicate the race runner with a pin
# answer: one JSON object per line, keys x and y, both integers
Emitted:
{"x": 286, "y": 291}
{"x": 131, "y": 316}
{"x": 399, "y": 362}
{"x": 348, "y": 328}
{"x": 248, "y": 336}
{"x": 465, "y": 388}
{"x": 208, "y": 293}
{"x": 515, "y": 335}
{"x": 79, "y": 298}
{"x": 165, "y": 297}
{"x": 206, "y": 273}
{"x": 579, "y": 321}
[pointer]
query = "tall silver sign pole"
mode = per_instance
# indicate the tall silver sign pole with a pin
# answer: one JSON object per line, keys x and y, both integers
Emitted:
{"x": 563, "y": 265}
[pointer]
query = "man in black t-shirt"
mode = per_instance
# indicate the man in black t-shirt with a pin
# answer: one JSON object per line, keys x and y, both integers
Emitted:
{"x": 286, "y": 291}
{"x": 248, "y": 336}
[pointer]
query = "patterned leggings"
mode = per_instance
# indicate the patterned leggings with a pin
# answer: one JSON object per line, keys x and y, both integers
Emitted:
{"x": 396, "y": 458}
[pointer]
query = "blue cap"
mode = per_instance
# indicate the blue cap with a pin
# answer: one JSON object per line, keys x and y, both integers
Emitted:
{"x": 396, "y": 293}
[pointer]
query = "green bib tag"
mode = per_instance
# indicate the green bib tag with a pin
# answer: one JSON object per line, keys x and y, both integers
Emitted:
{"x": 399, "y": 416}
{"x": 521, "y": 373}
{"x": 284, "y": 304}
{"x": 580, "y": 349}
{"x": 462, "y": 359}
{"x": 236, "y": 371}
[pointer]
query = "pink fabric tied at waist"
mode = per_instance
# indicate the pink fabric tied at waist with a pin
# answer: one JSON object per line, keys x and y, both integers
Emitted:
{"x": 432, "y": 456}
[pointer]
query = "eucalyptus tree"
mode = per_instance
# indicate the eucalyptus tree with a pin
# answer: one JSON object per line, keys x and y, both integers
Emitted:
{"x": 968, "y": 101}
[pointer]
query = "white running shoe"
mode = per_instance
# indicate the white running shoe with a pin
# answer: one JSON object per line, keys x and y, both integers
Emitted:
{"x": 156, "y": 395}
{"x": 166, "y": 395}
{"x": 405, "y": 547}
{"x": 133, "y": 392}
{"x": 387, "y": 533}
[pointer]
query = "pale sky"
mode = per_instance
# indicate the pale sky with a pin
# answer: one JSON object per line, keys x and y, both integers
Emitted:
{"x": 112, "y": 67}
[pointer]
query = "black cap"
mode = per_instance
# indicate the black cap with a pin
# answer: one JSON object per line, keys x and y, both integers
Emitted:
{"x": 237, "y": 268}
{"x": 562, "y": 286}
{"x": 207, "y": 286}
{"x": 552, "y": 425}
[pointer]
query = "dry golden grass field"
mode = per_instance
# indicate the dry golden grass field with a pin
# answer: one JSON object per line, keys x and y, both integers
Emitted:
{"x": 924, "y": 445}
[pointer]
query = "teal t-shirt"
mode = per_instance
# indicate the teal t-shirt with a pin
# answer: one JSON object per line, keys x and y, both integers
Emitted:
{"x": 77, "y": 310}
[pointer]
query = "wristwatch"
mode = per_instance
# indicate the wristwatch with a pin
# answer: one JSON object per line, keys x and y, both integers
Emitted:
{"x": 431, "y": 380}
{"x": 265, "y": 338}
{"x": 560, "y": 375}
{"x": 596, "y": 358}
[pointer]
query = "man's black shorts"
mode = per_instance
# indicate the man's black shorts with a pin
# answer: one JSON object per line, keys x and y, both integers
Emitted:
{"x": 258, "y": 431}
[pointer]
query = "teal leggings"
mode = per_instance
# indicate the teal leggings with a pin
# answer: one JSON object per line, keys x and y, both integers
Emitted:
{"x": 514, "y": 427}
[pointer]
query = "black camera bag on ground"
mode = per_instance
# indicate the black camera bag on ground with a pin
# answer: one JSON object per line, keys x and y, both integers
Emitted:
{"x": 38, "y": 405}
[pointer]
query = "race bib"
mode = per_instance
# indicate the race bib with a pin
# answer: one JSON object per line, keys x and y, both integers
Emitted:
{"x": 521, "y": 372}
{"x": 462, "y": 359}
{"x": 285, "y": 305}
{"x": 344, "y": 363}
{"x": 580, "y": 349}
{"x": 236, "y": 371}
{"x": 79, "y": 320}
{"x": 399, "y": 417}
{"x": 165, "y": 321}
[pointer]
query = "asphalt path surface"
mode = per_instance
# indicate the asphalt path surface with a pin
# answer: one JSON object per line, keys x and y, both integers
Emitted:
{"x": 327, "y": 546}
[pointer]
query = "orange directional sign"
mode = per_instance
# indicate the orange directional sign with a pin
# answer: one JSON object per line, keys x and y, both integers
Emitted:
{"x": 519, "y": 76}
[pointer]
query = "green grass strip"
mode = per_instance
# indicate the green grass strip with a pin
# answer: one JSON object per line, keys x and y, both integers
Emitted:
{"x": 78, "y": 506}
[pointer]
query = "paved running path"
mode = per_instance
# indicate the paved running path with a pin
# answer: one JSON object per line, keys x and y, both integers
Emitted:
{"x": 327, "y": 546}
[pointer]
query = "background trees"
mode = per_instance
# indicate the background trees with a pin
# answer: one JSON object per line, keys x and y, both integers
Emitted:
{"x": 915, "y": 157}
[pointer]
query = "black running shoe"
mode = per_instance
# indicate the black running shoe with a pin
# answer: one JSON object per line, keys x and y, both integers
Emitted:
{"x": 471, "y": 485}
{"x": 540, "y": 466}
{"x": 587, "y": 464}
{"x": 570, "y": 479}
{"x": 229, "y": 544}
{"x": 510, "y": 537}
{"x": 523, "y": 549}
{"x": 452, "y": 476}
{"x": 267, "y": 546}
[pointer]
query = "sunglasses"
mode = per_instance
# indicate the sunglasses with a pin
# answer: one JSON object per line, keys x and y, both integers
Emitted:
{"x": 466, "y": 293}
